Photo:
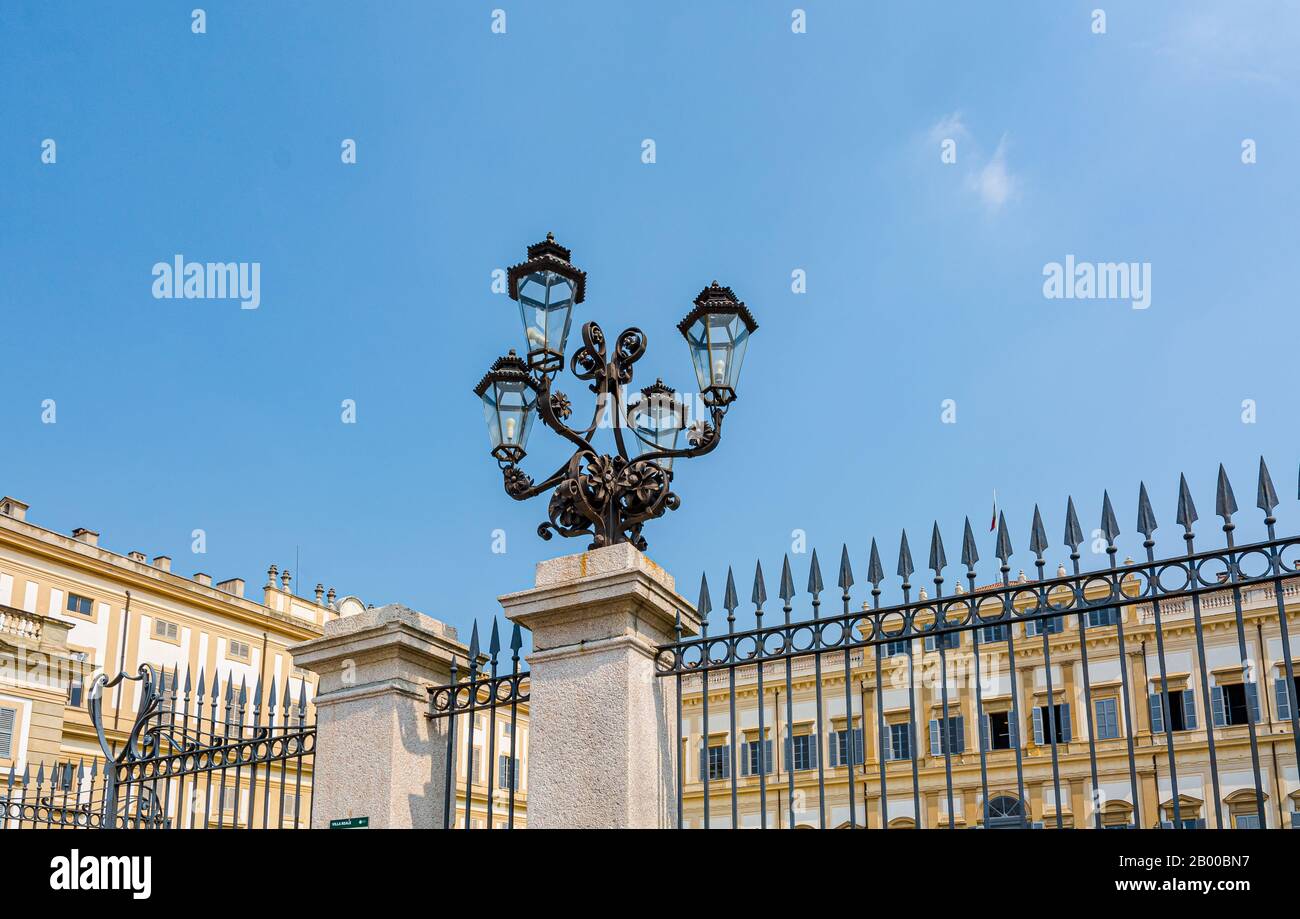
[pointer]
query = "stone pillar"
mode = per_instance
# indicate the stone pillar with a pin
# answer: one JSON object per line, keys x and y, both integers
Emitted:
{"x": 602, "y": 727}
{"x": 377, "y": 755}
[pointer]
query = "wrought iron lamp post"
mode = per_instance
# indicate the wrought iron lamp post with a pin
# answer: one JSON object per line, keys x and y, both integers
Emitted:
{"x": 609, "y": 496}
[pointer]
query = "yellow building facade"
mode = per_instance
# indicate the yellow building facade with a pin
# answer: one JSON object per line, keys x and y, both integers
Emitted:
{"x": 990, "y": 723}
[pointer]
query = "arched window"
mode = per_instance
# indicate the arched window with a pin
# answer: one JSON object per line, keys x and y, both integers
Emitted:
{"x": 1004, "y": 812}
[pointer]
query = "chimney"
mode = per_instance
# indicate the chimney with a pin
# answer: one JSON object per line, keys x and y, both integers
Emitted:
{"x": 204, "y": 579}
{"x": 137, "y": 557}
{"x": 12, "y": 507}
{"x": 320, "y": 594}
{"x": 89, "y": 537}
{"x": 163, "y": 562}
{"x": 233, "y": 586}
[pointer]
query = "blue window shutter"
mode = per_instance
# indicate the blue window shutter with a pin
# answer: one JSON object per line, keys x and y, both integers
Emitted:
{"x": 1157, "y": 713}
{"x": 929, "y": 643}
{"x": 704, "y": 760}
{"x": 1038, "y": 725}
{"x": 1283, "y": 699}
{"x": 789, "y": 753}
{"x": 1189, "y": 709}
{"x": 859, "y": 747}
{"x": 814, "y": 746}
{"x": 1013, "y": 729}
{"x": 726, "y": 762}
{"x": 768, "y": 764}
{"x": 1252, "y": 700}
{"x": 959, "y": 742}
{"x": 1066, "y": 735}
{"x": 744, "y": 758}
{"x": 935, "y": 748}
{"x": 984, "y": 732}
{"x": 833, "y": 754}
{"x": 1216, "y": 707}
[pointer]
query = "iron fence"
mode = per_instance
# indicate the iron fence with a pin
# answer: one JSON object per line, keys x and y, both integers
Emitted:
{"x": 479, "y": 697}
{"x": 196, "y": 756}
{"x": 987, "y": 652}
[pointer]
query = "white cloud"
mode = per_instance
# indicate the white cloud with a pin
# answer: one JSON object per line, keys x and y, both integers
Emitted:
{"x": 949, "y": 127}
{"x": 994, "y": 183}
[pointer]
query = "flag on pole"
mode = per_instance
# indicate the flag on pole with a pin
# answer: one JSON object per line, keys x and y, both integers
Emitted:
{"x": 993, "y": 521}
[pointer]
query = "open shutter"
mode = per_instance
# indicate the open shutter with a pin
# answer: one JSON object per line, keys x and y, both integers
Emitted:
{"x": 833, "y": 753}
{"x": 984, "y": 732}
{"x": 859, "y": 747}
{"x": 935, "y": 743}
{"x": 1189, "y": 709}
{"x": 1066, "y": 734}
{"x": 768, "y": 763}
{"x": 1252, "y": 700}
{"x": 704, "y": 761}
{"x": 1283, "y": 699}
{"x": 789, "y": 753}
{"x": 726, "y": 762}
{"x": 744, "y": 758}
{"x": 1216, "y": 707}
{"x": 1038, "y": 725}
{"x": 959, "y": 729}
{"x": 1157, "y": 713}
{"x": 814, "y": 747}
{"x": 7, "y": 716}
{"x": 1013, "y": 729}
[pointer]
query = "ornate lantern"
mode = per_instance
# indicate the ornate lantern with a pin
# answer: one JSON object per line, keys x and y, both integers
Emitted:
{"x": 546, "y": 287}
{"x": 657, "y": 418}
{"x": 717, "y": 331}
{"x": 509, "y": 395}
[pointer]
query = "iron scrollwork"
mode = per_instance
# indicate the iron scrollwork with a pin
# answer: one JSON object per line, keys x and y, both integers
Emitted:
{"x": 609, "y": 496}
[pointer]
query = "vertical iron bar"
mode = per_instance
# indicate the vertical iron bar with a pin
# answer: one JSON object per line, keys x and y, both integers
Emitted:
{"x": 449, "y": 788}
{"x": 1246, "y": 668}
{"x": 985, "y": 737}
{"x": 1079, "y": 599}
{"x": 847, "y": 638}
{"x": 821, "y": 731}
{"x": 1165, "y": 707}
{"x": 1275, "y": 562}
{"x": 758, "y": 598}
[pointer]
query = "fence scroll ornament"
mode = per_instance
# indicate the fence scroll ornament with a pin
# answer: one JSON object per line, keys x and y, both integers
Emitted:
{"x": 987, "y": 615}
{"x": 188, "y": 747}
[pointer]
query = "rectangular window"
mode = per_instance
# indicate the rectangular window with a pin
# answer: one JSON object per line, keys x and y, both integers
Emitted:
{"x": 79, "y": 604}
{"x": 1236, "y": 703}
{"x": 507, "y": 770}
{"x": 895, "y": 648}
{"x": 1106, "y": 712}
{"x": 8, "y": 726}
{"x": 238, "y": 649}
{"x": 1049, "y": 626}
{"x": 719, "y": 764}
{"x": 1098, "y": 618}
{"x": 839, "y": 751}
{"x": 803, "y": 755}
{"x": 995, "y": 633}
{"x": 900, "y": 741}
{"x": 944, "y": 641}
{"x": 756, "y": 757}
{"x": 75, "y": 688}
{"x": 1246, "y": 821}
{"x": 955, "y": 735}
{"x": 999, "y": 731}
{"x": 169, "y": 631}
{"x": 1182, "y": 711}
{"x": 291, "y": 807}
{"x": 1052, "y": 722}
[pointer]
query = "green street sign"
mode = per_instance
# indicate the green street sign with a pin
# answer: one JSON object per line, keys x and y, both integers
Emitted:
{"x": 350, "y": 823}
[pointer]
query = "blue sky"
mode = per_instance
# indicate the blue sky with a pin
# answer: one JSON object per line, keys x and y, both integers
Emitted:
{"x": 775, "y": 151}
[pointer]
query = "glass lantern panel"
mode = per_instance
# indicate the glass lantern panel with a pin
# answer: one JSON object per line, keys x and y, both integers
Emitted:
{"x": 718, "y": 342}
{"x": 511, "y": 414}
{"x": 658, "y": 421}
{"x": 546, "y": 309}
